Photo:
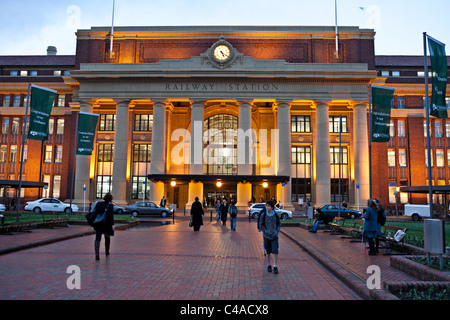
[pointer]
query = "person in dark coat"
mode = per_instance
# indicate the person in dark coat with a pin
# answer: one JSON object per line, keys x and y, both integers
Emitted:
{"x": 224, "y": 212}
{"x": 196, "y": 213}
{"x": 107, "y": 228}
{"x": 371, "y": 225}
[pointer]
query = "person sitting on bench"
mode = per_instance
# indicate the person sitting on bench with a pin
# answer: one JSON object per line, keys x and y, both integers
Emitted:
{"x": 323, "y": 218}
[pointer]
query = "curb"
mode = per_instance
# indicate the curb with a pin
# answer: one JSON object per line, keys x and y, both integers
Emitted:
{"x": 349, "y": 278}
{"x": 57, "y": 239}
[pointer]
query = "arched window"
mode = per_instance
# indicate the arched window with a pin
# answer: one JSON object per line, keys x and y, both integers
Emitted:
{"x": 220, "y": 145}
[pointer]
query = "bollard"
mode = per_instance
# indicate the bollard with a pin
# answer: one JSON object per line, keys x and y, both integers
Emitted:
{"x": 210, "y": 218}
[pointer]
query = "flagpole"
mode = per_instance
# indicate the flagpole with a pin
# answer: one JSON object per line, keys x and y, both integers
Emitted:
{"x": 73, "y": 162}
{"x": 336, "y": 29}
{"x": 112, "y": 32}
{"x": 23, "y": 148}
{"x": 427, "y": 103}
{"x": 370, "y": 141}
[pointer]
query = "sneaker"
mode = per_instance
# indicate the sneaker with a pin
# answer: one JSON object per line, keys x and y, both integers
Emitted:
{"x": 269, "y": 268}
{"x": 275, "y": 270}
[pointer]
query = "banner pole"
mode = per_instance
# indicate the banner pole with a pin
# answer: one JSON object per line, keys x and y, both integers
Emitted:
{"x": 23, "y": 148}
{"x": 427, "y": 103}
{"x": 370, "y": 141}
{"x": 72, "y": 182}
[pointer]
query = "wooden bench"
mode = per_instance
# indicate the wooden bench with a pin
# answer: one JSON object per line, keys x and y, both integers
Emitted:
{"x": 12, "y": 224}
{"x": 335, "y": 225}
{"x": 54, "y": 221}
{"x": 388, "y": 237}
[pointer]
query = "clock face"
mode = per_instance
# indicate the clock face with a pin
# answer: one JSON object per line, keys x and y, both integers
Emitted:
{"x": 222, "y": 52}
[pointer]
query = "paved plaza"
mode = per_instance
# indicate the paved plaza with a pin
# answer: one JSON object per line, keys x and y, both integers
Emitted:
{"x": 171, "y": 262}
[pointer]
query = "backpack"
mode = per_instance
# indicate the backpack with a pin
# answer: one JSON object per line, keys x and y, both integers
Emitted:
{"x": 233, "y": 211}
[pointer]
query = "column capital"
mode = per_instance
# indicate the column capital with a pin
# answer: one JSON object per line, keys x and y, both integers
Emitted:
{"x": 320, "y": 104}
{"x": 247, "y": 104}
{"x": 282, "y": 104}
{"x": 198, "y": 103}
{"x": 123, "y": 103}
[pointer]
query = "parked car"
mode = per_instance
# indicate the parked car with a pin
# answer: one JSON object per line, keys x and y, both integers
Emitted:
{"x": 117, "y": 209}
{"x": 50, "y": 204}
{"x": 2, "y": 207}
{"x": 255, "y": 209}
{"x": 147, "y": 208}
{"x": 333, "y": 210}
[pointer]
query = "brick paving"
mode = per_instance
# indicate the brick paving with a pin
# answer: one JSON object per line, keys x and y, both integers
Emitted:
{"x": 166, "y": 263}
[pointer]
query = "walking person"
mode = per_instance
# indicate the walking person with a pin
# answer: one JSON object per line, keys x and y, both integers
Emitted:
{"x": 196, "y": 213}
{"x": 233, "y": 215}
{"x": 217, "y": 207}
{"x": 107, "y": 227}
{"x": 163, "y": 202}
{"x": 224, "y": 212}
{"x": 270, "y": 226}
{"x": 371, "y": 226}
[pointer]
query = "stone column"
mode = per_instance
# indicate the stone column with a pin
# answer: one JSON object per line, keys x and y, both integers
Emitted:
{"x": 82, "y": 169}
{"x": 361, "y": 153}
{"x": 284, "y": 152}
{"x": 158, "y": 165}
{"x": 322, "y": 156}
{"x": 196, "y": 151}
{"x": 121, "y": 153}
{"x": 245, "y": 153}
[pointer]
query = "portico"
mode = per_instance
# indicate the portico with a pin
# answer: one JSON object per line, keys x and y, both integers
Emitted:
{"x": 229, "y": 120}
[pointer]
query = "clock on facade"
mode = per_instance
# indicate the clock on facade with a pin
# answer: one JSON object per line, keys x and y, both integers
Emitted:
{"x": 222, "y": 52}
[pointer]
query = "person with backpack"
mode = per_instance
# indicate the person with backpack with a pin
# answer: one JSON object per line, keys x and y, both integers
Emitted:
{"x": 224, "y": 212}
{"x": 381, "y": 221}
{"x": 270, "y": 225}
{"x": 371, "y": 226}
{"x": 233, "y": 210}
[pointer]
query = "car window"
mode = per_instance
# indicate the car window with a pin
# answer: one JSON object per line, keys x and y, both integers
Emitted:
{"x": 151, "y": 204}
{"x": 54, "y": 201}
{"x": 140, "y": 204}
{"x": 45, "y": 201}
{"x": 259, "y": 206}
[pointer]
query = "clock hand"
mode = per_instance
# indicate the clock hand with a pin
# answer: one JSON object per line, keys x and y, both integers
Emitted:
{"x": 223, "y": 54}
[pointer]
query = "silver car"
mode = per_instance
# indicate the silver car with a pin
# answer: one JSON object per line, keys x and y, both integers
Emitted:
{"x": 117, "y": 209}
{"x": 255, "y": 209}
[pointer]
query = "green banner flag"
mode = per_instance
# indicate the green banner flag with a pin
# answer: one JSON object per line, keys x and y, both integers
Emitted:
{"x": 381, "y": 113}
{"x": 87, "y": 123}
{"x": 439, "y": 78}
{"x": 41, "y": 104}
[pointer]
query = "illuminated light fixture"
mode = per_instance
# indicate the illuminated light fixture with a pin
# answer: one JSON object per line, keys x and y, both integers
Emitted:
{"x": 219, "y": 184}
{"x": 265, "y": 184}
{"x": 173, "y": 183}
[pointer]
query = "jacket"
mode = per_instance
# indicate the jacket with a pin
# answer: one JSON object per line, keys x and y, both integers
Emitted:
{"x": 269, "y": 225}
{"x": 370, "y": 220}
{"x": 105, "y": 228}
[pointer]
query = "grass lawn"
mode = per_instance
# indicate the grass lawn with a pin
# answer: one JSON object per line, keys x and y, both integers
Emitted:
{"x": 36, "y": 217}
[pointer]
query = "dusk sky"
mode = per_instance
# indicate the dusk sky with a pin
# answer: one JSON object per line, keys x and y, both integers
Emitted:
{"x": 28, "y": 27}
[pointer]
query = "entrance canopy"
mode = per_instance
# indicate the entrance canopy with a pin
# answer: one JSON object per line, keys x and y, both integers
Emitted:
{"x": 25, "y": 184}
{"x": 208, "y": 178}
{"x": 424, "y": 189}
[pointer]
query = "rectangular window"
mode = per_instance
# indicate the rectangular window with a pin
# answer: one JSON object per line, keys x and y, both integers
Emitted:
{"x": 61, "y": 100}
{"x": 401, "y": 102}
{"x": 25, "y": 153}
{"x": 142, "y": 153}
{"x": 51, "y": 124}
{"x": 104, "y": 184}
{"x": 13, "y": 153}
{"x": 16, "y": 102}
{"x": 14, "y": 73}
{"x": 45, "y": 192}
{"x": 105, "y": 152}
{"x": 143, "y": 122}
{"x": 301, "y": 155}
{"x": 60, "y": 126}
{"x": 6, "y": 100}
{"x": 3, "y": 152}
{"x": 385, "y": 73}
{"x": 15, "y": 126}
{"x": 58, "y": 154}
{"x": 107, "y": 122}
{"x": 425, "y": 129}
{"x": 440, "y": 158}
{"x": 391, "y": 129}
{"x": 447, "y": 129}
{"x": 334, "y": 155}
{"x": 402, "y": 159}
{"x": 56, "y": 186}
{"x": 396, "y": 73}
{"x": 48, "y": 154}
{"x": 391, "y": 158}
{"x": 33, "y": 73}
{"x": 5, "y": 125}
{"x": 438, "y": 129}
{"x": 300, "y": 124}
{"x": 334, "y": 124}
{"x": 401, "y": 128}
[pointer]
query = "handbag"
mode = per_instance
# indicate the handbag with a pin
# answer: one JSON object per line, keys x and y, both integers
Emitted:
{"x": 90, "y": 217}
{"x": 190, "y": 223}
{"x": 101, "y": 217}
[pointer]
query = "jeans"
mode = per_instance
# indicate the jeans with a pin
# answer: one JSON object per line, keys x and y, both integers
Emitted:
{"x": 218, "y": 215}
{"x": 316, "y": 225}
{"x": 233, "y": 223}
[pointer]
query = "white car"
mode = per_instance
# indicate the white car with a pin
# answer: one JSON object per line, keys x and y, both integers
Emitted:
{"x": 255, "y": 209}
{"x": 2, "y": 207}
{"x": 50, "y": 204}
